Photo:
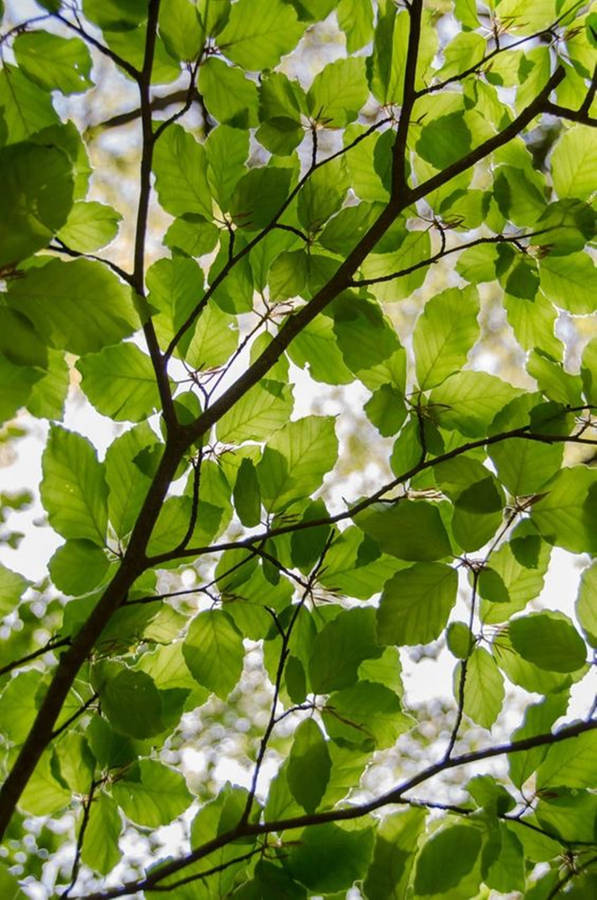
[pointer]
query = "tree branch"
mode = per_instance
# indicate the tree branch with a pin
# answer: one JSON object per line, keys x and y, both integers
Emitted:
{"x": 399, "y": 182}
{"x": 47, "y": 648}
{"x": 246, "y": 829}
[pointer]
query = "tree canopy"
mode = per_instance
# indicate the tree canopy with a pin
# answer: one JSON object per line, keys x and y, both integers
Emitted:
{"x": 284, "y": 214}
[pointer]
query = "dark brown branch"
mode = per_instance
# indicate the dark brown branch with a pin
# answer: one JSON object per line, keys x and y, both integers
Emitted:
{"x": 572, "y": 873}
{"x": 76, "y": 715}
{"x": 261, "y": 235}
{"x": 247, "y": 829}
{"x": 88, "y": 800}
{"x": 516, "y": 434}
{"x": 138, "y": 280}
{"x": 118, "y": 60}
{"x": 157, "y": 104}
{"x": 497, "y": 239}
{"x": 47, "y": 648}
{"x": 575, "y": 115}
{"x": 463, "y": 671}
{"x": 60, "y": 247}
{"x": 399, "y": 183}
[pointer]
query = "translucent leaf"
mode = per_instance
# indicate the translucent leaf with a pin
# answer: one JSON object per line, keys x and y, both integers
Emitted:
{"x": 262, "y": 410}
{"x": 296, "y": 459}
{"x": 355, "y": 18}
{"x": 259, "y": 33}
{"x": 572, "y": 763}
{"x": 89, "y": 226}
{"x": 73, "y": 488}
{"x": 586, "y": 608}
{"x": 330, "y": 858}
{"x": 227, "y": 151}
{"x": 538, "y": 719}
{"x": 258, "y": 196}
{"x": 180, "y": 167}
{"x": 338, "y": 92}
{"x": 100, "y": 848}
{"x": 548, "y": 640}
{"x": 416, "y": 603}
{"x": 37, "y": 194}
{"x": 126, "y": 481}
{"x": 567, "y": 281}
{"x": 53, "y": 62}
{"x": 394, "y": 855}
{"x": 339, "y": 649}
{"x": 565, "y": 516}
{"x": 44, "y": 794}
{"x": 366, "y": 716}
{"x": 130, "y": 700}
{"x": 446, "y": 858}
{"x": 78, "y": 566}
{"x": 26, "y": 107}
{"x": 408, "y": 529}
{"x": 213, "y": 651}
{"x": 79, "y": 306}
{"x": 214, "y": 339}
{"x": 181, "y": 29}
{"x": 445, "y": 140}
{"x": 309, "y": 766}
{"x": 151, "y": 793}
{"x": 483, "y": 688}
{"x": 12, "y": 587}
{"x": 247, "y": 495}
{"x": 120, "y": 382}
{"x": 573, "y": 162}
{"x": 444, "y": 334}
{"x": 469, "y": 401}
{"x": 230, "y": 98}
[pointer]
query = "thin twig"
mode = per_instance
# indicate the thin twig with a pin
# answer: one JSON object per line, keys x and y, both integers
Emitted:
{"x": 76, "y": 715}
{"x": 52, "y": 644}
{"x": 87, "y": 801}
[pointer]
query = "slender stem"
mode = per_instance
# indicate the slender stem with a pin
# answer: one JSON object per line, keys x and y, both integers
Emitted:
{"x": 76, "y": 715}
{"x": 88, "y": 800}
{"x": 463, "y": 670}
{"x": 47, "y": 648}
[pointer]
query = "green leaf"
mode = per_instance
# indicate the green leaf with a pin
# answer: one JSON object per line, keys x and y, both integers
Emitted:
{"x": 548, "y": 640}
{"x": 355, "y": 18}
{"x": 367, "y": 716}
{"x": 538, "y": 719}
{"x": 53, "y": 62}
{"x": 247, "y": 495}
{"x": 44, "y": 794}
{"x": 12, "y": 587}
{"x": 73, "y": 488}
{"x": 322, "y": 195}
{"x": 445, "y": 140}
{"x": 408, "y": 529}
{"x": 586, "y": 609}
{"x": 259, "y": 33}
{"x": 18, "y": 705}
{"x": 295, "y": 460}
{"x": 460, "y": 639}
{"x": 524, "y": 673}
{"x": 386, "y": 410}
{"x": 444, "y": 334}
{"x": 339, "y": 649}
{"x": 572, "y": 763}
{"x": 79, "y": 306}
{"x": 120, "y": 382}
{"x": 181, "y": 29}
{"x": 262, "y": 410}
{"x": 117, "y": 14}
{"x": 130, "y": 700}
{"x": 214, "y": 339}
{"x": 258, "y": 196}
{"x": 506, "y": 871}
{"x": 78, "y": 566}
{"x": 230, "y": 98}
{"x": 100, "y": 849}
{"x": 394, "y": 855}
{"x": 152, "y": 794}
{"x": 567, "y": 281}
{"x": 89, "y": 226}
{"x": 37, "y": 194}
{"x": 227, "y": 151}
{"x": 192, "y": 235}
{"x": 26, "y": 108}
{"x": 338, "y": 92}
{"x": 213, "y": 651}
{"x": 175, "y": 286}
{"x": 483, "y": 689}
{"x": 180, "y": 167}
{"x": 127, "y": 482}
{"x": 446, "y": 858}
{"x": 518, "y": 198}
{"x": 566, "y": 516}
{"x": 309, "y": 766}
{"x": 330, "y": 858}
{"x": 16, "y": 383}
{"x": 416, "y": 603}
{"x": 574, "y": 161}
{"x": 469, "y": 401}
